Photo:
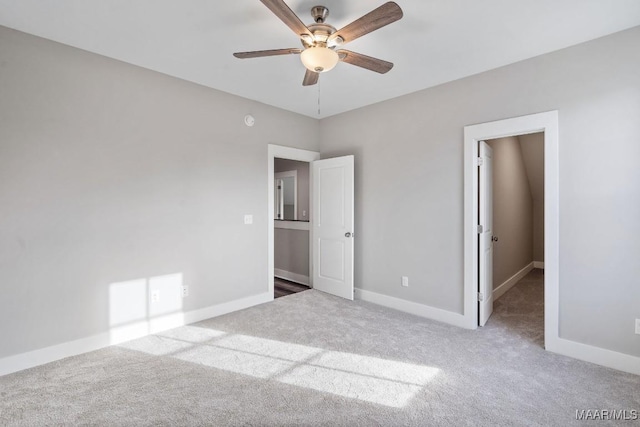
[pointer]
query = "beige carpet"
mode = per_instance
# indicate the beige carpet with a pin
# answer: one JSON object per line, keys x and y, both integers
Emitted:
{"x": 339, "y": 363}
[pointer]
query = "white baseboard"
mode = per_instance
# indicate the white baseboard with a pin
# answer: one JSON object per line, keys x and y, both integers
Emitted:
{"x": 597, "y": 355}
{"x": 294, "y": 277}
{"x": 538, "y": 264}
{"x": 511, "y": 281}
{"x": 587, "y": 353}
{"x": 422, "y": 310}
{"x": 114, "y": 336}
{"x": 226, "y": 307}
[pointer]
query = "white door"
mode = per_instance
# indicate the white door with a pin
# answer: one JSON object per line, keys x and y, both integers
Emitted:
{"x": 485, "y": 237}
{"x": 332, "y": 226}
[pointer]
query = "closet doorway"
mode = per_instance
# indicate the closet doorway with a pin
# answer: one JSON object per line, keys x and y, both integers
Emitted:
{"x": 515, "y": 233}
{"x": 478, "y": 291}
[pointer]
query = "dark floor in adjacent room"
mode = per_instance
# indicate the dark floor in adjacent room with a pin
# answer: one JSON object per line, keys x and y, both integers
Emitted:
{"x": 282, "y": 287}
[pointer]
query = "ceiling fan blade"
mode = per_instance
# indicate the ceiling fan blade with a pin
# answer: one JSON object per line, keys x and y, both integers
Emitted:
{"x": 377, "y": 18}
{"x": 260, "y": 53}
{"x": 310, "y": 78}
{"x": 364, "y": 61}
{"x": 282, "y": 11}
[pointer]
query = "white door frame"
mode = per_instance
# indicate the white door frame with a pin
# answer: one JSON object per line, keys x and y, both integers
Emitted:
{"x": 485, "y": 238}
{"x": 541, "y": 122}
{"x": 289, "y": 153}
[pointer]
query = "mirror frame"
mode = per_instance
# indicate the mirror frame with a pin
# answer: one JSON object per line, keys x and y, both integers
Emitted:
{"x": 287, "y": 174}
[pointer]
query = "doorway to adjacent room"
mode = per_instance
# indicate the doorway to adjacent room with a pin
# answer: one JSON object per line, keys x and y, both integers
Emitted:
{"x": 479, "y": 231}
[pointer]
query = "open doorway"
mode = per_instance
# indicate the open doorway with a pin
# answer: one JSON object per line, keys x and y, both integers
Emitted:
{"x": 474, "y": 301}
{"x": 517, "y": 235}
{"x": 331, "y": 219}
{"x": 291, "y": 227}
{"x": 283, "y": 156}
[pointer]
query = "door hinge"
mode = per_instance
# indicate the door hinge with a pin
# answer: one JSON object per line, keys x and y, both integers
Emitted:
{"x": 480, "y": 296}
{"x": 480, "y": 229}
{"x": 479, "y": 161}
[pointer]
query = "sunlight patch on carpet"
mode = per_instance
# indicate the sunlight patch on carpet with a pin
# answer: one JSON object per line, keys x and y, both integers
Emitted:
{"x": 354, "y": 386}
{"x": 235, "y": 361}
{"x": 156, "y": 346}
{"x": 366, "y": 378}
{"x": 271, "y": 348}
{"x": 192, "y": 334}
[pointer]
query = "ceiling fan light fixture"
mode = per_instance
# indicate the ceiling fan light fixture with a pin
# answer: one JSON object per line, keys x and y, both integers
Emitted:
{"x": 307, "y": 39}
{"x": 335, "y": 42}
{"x": 319, "y": 59}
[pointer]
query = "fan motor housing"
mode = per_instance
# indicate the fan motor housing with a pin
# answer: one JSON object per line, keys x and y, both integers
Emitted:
{"x": 319, "y": 29}
{"x": 321, "y": 33}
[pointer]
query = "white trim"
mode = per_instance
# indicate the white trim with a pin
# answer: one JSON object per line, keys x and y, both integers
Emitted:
{"x": 597, "y": 355}
{"x": 293, "y": 277}
{"x": 511, "y": 281}
{"x": 418, "y": 309}
{"x": 293, "y": 225}
{"x": 290, "y": 153}
{"x": 541, "y": 122}
{"x": 538, "y": 264}
{"x": 226, "y": 307}
{"x": 115, "y": 336}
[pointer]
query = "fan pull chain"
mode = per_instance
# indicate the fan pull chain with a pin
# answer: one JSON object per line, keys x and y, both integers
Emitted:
{"x": 318, "y": 98}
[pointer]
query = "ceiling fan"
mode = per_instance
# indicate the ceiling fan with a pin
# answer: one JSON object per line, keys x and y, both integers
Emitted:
{"x": 322, "y": 41}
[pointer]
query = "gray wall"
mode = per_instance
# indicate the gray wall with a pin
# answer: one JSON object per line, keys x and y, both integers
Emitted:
{"x": 110, "y": 173}
{"x": 532, "y": 147}
{"x": 512, "y": 210}
{"x": 291, "y": 252}
{"x": 409, "y": 182}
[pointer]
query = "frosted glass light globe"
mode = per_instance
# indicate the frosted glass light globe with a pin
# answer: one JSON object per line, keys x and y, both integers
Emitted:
{"x": 319, "y": 59}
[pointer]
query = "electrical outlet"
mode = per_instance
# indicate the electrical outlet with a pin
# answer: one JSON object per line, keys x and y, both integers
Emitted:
{"x": 155, "y": 296}
{"x": 638, "y": 326}
{"x": 185, "y": 291}
{"x": 405, "y": 281}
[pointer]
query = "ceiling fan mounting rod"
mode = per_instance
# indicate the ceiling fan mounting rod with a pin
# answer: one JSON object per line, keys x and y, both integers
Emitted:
{"x": 319, "y": 13}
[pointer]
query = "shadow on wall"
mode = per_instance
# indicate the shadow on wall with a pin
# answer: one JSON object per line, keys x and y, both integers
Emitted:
{"x": 144, "y": 306}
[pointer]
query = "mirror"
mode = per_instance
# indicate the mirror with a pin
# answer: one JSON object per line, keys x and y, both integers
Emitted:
{"x": 286, "y": 196}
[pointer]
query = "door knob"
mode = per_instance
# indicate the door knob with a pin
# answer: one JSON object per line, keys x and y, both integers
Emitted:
{"x": 494, "y": 239}
{"x": 347, "y": 234}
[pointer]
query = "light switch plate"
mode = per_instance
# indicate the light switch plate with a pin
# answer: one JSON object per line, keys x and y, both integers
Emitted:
{"x": 248, "y": 219}
{"x": 638, "y": 326}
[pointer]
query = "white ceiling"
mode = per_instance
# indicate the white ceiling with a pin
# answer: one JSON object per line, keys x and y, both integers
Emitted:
{"x": 436, "y": 41}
